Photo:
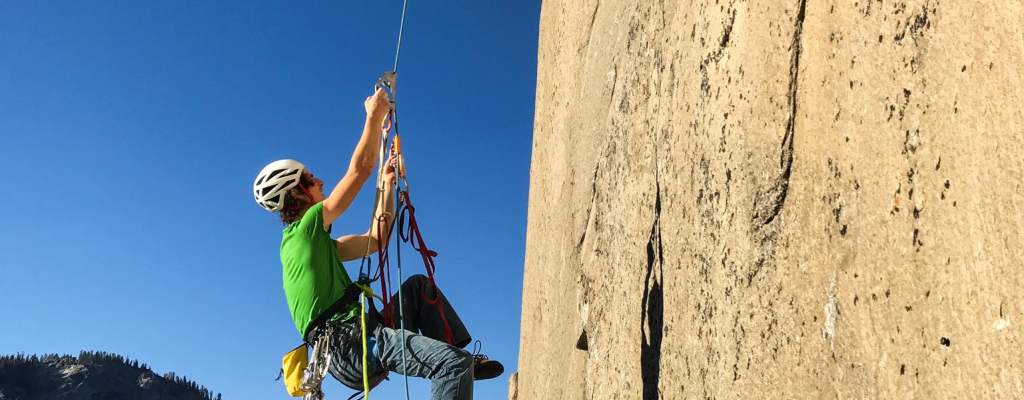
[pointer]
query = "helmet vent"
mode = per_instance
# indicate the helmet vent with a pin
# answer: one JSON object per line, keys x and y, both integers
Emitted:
{"x": 275, "y": 181}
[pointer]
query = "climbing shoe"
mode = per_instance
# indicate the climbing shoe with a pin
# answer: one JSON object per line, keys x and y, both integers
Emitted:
{"x": 483, "y": 367}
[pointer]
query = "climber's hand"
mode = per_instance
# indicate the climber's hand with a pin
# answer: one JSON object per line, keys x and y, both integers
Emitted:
{"x": 377, "y": 106}
{"x": 389, "y": 170}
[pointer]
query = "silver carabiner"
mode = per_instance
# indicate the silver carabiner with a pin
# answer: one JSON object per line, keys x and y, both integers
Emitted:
{"x": 316, "y": 370}
{"x": 388, "y": 82}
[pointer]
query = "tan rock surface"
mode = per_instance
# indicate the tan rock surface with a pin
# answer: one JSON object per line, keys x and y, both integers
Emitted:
{"x": 751, "y": 199}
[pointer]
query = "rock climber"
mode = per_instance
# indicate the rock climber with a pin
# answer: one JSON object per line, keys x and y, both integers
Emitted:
{"x": 314, "y": 277}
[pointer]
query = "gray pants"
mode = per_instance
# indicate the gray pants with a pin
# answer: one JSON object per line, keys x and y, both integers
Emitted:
{"x": 449, "y": 368}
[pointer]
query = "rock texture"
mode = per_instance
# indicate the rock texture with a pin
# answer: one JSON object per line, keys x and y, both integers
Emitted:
{"x": 781, "y": 199}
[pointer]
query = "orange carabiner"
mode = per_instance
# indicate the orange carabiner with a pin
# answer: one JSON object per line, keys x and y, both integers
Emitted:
{"x": 396, "y": 149}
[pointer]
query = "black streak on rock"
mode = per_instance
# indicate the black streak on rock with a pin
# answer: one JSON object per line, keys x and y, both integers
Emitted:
{"x": 715, "y": 56}
{"x": 767, "y": 205}
{"x": 652, "y": 322}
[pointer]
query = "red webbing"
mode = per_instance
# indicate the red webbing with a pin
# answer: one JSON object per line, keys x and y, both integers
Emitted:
{"x": 414, "y": 237}
{"x": 384, "y": 272}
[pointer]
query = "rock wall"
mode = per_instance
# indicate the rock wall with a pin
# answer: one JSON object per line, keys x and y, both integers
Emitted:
{"x": 782, "y": 199}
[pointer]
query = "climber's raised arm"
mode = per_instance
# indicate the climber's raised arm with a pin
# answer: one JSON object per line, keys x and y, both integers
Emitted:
{"x": 351, "y": 247}
{"x": 363, "y": 159}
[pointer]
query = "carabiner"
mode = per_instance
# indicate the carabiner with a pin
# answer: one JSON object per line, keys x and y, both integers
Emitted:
{"x": 399, "y": 182}
{"x": 388, "y": 82}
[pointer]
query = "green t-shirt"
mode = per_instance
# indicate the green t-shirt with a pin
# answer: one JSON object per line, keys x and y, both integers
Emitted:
{"x": 314, "y": 277}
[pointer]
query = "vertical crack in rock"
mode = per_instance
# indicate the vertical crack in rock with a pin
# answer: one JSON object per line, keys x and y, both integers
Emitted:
{"x": 652, "y": 315}
{"x": 590, "y": 211}
{"x": 767, "y": 205}
{"x": 589, "y": 225}
{"x": 590, "y": 28}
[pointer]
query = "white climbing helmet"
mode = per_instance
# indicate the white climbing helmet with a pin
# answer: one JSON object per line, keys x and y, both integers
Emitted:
{"x": 274, "y": 181}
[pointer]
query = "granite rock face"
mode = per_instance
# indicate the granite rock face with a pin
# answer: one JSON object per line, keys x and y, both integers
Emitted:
{"x": 799, "y": 199}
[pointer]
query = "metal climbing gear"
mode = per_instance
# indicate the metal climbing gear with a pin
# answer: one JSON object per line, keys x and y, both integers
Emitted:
{"x": 388, "y": 82}
{"x": 315, "y": 372}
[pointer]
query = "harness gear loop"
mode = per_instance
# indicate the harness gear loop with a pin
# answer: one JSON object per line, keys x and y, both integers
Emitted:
{"x": 315, "y": 372}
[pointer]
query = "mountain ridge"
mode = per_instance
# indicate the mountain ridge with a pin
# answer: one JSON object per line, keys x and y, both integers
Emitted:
{"x": 91, "y": 375}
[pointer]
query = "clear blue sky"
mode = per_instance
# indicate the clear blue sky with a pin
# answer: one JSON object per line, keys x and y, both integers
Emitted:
{"x": 131, "y": 132}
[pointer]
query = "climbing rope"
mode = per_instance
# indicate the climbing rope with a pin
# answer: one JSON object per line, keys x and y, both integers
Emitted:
{"x": 396, "y": 148}
{"x": 401, "y": 28}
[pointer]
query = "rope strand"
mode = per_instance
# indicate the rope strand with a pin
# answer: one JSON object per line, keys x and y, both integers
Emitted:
{"x": 401, "y": 28}
{"x": 382, "y": 251}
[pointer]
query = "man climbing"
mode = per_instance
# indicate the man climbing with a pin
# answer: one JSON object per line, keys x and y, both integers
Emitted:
{"x": 315, "y": 279}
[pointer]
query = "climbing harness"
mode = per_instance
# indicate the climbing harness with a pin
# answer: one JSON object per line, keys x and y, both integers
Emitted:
{"x": 304, "y": 372}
